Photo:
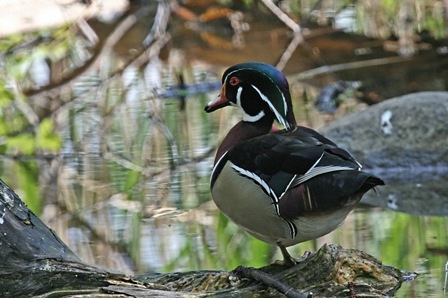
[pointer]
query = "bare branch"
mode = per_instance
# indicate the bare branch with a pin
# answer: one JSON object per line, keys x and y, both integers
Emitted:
{"x": 345, "y": 66}
{"x": 282, "y": 16}
{"x": 298, "y": 36}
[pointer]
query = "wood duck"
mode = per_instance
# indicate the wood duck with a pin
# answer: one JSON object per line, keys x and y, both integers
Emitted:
{"x": 286, "y": 186}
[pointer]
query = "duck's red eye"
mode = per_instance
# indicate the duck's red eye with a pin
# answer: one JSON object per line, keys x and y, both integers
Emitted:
{"x": 234, "y": 81}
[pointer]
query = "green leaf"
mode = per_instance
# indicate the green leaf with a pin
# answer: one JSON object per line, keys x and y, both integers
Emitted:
{"x": 132, "y": 178}
{"x": 46, "y": 138}
{"x": 23, "y": 143}
{"x": 20, "y": 68}
{"x": 28, "y": 182}
{"x": 6, "y": 96}
{"x": 3, "y": 127}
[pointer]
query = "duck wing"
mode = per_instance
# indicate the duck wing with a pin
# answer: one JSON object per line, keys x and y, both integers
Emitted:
{"x": 301, "y": 171}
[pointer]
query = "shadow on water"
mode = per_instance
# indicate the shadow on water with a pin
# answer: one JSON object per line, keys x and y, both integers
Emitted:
{"x": 130, "y": 187}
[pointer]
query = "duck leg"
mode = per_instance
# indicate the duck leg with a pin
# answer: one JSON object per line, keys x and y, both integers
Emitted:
{"x": 288, "y": 260}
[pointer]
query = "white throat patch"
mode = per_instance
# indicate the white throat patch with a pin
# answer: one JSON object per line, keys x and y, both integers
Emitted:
{"x": 247, "y": 117}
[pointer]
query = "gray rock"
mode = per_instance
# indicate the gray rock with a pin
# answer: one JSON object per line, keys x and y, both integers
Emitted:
{"x": 405, "y": 142}
{"x": 405, "y": 132}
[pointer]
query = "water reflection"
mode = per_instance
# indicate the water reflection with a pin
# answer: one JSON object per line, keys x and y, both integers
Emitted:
{"x": 417, "y": 191}
{"x": 130, "y": 189}
{"x": 141, "y": 212}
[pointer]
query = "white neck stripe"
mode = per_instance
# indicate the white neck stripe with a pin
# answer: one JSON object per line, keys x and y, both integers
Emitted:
{"x": 255, "y": 118}
{"x": 238, "y": 96}
{"x": 277, "y": 115}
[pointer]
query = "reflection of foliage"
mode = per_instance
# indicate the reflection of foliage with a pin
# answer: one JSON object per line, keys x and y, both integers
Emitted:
{"x": 414, "y": 243}
{"x": 236, "y": 247}
{"x": 20, "y": 136}
{"x": 113, "y": 131}
{"x": 392, "y": 16}
{"x": 423, "y": 241}
{"x": 17, "y": 142}
{"x": 435, "y": 21}
{"x": 22, "y": 52}
{"x": 380, "y": 19}
{"x": 23, "y": 131}
{"x": 128, "y": 153}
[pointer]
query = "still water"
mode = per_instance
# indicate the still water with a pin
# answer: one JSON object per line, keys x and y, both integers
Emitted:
{"x": 146, "y": 206}
{"x": 130, "y": 188}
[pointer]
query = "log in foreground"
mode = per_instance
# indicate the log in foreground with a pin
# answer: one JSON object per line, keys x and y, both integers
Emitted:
{"x": 35, "y": 262}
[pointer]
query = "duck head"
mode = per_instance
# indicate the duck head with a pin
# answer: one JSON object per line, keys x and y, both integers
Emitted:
{"x": 260, "y": 90}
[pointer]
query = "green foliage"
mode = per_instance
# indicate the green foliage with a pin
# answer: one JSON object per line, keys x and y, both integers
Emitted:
{"x": 6, "y": 97}
{"x": 132, "y": 138}
{"x": 21, "y": 51}
{"x": 235, "y": 247}
{"x": 46, "y": 139}
{"x": 404, "y": 234}
{"x": 131, "y": 180}
{"x": 436, "y": 25}
{"x": 22, "y": 144}
{"x": 390, "y": 7}
{"x": 134, "y": 246}
{"x": 28, "y": 183}
{"x": 25, "y": 143}
{"x": 260, "y": 252}
{"x": 18, "y": 136}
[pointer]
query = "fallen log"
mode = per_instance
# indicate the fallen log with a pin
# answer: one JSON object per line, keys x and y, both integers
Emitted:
{"x": 35, "y": 262}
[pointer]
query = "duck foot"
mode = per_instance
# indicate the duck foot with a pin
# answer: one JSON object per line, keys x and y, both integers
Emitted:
{"x": 289, "y": 261}
{"x": 268, "y": 280}
{"x": 305, "y": 256}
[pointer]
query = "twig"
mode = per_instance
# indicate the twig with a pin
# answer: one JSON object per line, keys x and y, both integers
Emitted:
{"x": 298, "y": 36}
{"x": 88, "y": 66}
{"x": 123, "y": 162}
{"x": 147, "y": 54}
{"x": 95, "y": 60}
{"x": 172, "y": 145}
{"x": 28, "y": 44}
{"x": 268, "y": 280}
{"x": 446, "y": 279}
{"x": 118, "y": 33}
{"x": 282, "y": 16}
{"x": 160, "y": 22}
{"x": 88, "y": 32}
{"x": 346, "y": 66}
{"x": 295, "y": 42}
{"x": 21, "y": 104}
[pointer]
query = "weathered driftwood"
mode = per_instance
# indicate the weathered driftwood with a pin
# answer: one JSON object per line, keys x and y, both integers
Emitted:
{"x": 35, "y": 262}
